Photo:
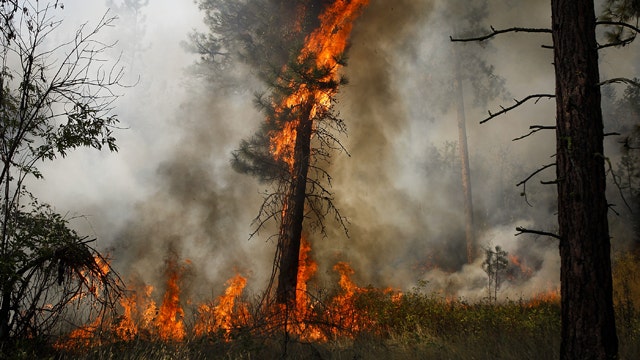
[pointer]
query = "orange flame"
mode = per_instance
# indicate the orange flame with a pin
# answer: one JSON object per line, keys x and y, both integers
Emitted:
{"x": 524, "y": 269}
{"x": 170, "y": 322}
{"x": 220, "y": 317}
{"x": 127, "y": 329}
{"x": 325, "y": 44}
{"x": 546, "y": 297}
{"x": 81, "y": 337}
{"x": 306, "y": 269}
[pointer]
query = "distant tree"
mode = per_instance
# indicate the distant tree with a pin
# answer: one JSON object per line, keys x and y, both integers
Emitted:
{"x": 465, "y": 68}
{"x": 54, "y": 98}
{"x": 495, "y": 262}
{"x": 628, "y": 108}
{"x": 131, "y": 25}
{"x": 588, "y": 321}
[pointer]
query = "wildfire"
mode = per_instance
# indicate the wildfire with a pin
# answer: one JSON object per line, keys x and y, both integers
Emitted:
{"x": 307, "y": 268}
{"x": 546, "y": 297}
{"x": 127, "y": 329}
{"x": 221, "y": 317}
{"x": 170, "y": 322}
{"x": 525, "y": 270}
{"x": 325, "y": 44}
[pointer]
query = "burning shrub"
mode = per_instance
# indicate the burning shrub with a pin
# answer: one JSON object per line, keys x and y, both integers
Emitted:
{"x": 50, "y": 271}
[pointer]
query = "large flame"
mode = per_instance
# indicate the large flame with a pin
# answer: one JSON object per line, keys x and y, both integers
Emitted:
{"x": 325, "y": 45}
{"x": 340, "y": 316}
{"x": 221, "y": 316}
{"x": 170, "y": 321}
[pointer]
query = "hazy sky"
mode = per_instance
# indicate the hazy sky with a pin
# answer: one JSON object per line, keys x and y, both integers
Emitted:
{"x": 170, "y": 185}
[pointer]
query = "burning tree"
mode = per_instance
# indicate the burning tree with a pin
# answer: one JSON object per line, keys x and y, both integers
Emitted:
{"x": 48, "y": 106}
{"x": 300, "y": 107}
{"x": 297, "y": 53}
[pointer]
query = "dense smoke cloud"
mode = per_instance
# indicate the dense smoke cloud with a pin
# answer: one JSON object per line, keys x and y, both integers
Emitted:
{"x": 171, "y": 187}
{"x": 401, "y": 185}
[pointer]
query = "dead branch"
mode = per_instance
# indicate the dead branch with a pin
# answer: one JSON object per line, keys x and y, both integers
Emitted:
{"x": 620, "y": 80}
{"x": 616, "y": 182}
{"x": 619, "y": 23}
{"x": 504, "y": 110}
{"x": 534, "y": 173}
{"x": 495, "y": 32}
{"x": 622, "y": 42}
{"x": 535, "y": 129}
{"x": 522, "y": 230}
{"x": 524, "y": 182}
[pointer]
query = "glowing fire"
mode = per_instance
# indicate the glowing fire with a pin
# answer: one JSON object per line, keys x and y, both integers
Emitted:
{"x": 344, "y": 309}
{"x": 170, "y": 322}
{"x": 306, "y": 269}
{"x": 342, "y": 315}
{"x": 550, "y": 296}
{"x": 525, "y": 270}
{"x": 324, "y": 44}
{"x": 127, "y": 329}
{"x": 80, "y": 337}
{"x": 221, "y": 316}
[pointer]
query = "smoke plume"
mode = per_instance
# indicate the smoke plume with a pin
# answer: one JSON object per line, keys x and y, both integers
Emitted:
{"x": 171, "y": 189}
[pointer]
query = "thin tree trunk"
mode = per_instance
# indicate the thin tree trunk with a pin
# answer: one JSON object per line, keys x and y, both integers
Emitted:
{"x": 293, "y": 212}
{"x": 4, "y": 313}
{"x": 464, "y": 163}
{"x": 588, "y": 323}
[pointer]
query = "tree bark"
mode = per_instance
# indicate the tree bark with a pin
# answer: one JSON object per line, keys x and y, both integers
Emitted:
{"x": 4, "y": 314}
{"x": 464, "y": 164}
{"x": 293, "y": 211}
{"x": 588, "y": 323}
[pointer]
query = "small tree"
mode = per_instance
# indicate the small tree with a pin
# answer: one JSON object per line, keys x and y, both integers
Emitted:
{"x": 494, "y": 264}
{"x": 53, "y": 99}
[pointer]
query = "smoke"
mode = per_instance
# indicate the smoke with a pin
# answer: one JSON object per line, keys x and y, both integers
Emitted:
{"x": 401, "y": 186}
{"x": 171, "y": 189}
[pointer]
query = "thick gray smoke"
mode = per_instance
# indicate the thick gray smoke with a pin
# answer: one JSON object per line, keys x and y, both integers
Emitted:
{"x": 401, "y": 187}
{"x": 171, "y": 190}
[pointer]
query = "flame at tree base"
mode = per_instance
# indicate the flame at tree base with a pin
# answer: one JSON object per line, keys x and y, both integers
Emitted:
{"x": 319, "y": 317}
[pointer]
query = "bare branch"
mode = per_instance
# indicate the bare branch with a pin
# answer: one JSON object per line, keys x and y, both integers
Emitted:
{"x": 504, "y": 110}
{"x": 616, "y": 181}
{"x": 535, "y": 173}
{"x": 495, "y": 32}
{"x": 534, "y": 129}
{"x": 522, "y": 230}
{"x": 619, "y": 23}
{"x": 524, "y": 182}
{"x": 621, "y": 42}
{"x": 620, "y": 80}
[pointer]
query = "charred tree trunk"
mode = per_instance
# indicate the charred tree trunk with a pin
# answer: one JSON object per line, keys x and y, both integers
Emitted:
{"x": 4, "y": 314}
{"x": 588, "y": 323}
{"x": 464, "y": 163}
{"x": 293, "y": 211}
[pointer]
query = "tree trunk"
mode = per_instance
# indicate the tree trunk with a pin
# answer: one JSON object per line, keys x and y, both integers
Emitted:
{"x": 464, "y": 163}
{"x": 293, "y": 212}
{"x": 4, "y": 314}
{"x": 588, "y": 323}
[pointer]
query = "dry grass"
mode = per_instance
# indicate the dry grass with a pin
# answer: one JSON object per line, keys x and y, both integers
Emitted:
{"x": 414, "y": 326}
